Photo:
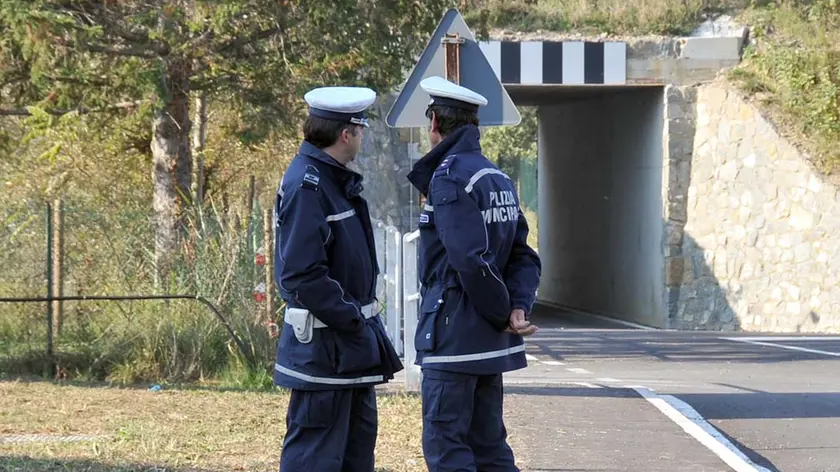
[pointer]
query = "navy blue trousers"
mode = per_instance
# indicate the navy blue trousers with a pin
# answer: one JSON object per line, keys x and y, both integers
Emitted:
{"x": 463, "y": 428}
{"x": 330, "y": 431}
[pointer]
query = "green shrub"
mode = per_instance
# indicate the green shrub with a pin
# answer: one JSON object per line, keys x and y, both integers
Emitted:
{"x": 793, "y": 65}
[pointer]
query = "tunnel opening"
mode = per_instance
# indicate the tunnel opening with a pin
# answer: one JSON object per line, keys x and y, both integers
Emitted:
{"x": 599, "y": 185}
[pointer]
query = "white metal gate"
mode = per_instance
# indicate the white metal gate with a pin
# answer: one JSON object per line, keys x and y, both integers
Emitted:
{"x": 389, "y": 288}
{"x": 399, "y": 290}
{"x": 411, "y": 307}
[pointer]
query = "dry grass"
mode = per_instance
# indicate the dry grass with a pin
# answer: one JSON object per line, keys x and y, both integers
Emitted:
{"x": 668, "y": 17}
{"x": 172, "y": 430}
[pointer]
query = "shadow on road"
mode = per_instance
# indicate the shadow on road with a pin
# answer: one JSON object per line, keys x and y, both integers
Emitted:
{"x": 752, "y": 455}
{"x": 731, "y": 406}
{"x": 668, "y": 346}
{"x": 713, "y": 406}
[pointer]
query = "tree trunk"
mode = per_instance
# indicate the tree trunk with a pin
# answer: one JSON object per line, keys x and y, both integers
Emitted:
{"x": 172, "y": 165}
{"x": 199, "y": 140}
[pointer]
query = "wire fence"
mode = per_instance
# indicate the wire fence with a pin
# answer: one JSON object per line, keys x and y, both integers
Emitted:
{"x": 80, "y": 298}
{"x": 23, "y": 259}
{"x": 78, "y": 250}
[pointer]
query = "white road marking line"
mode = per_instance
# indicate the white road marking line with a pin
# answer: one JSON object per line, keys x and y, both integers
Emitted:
{"x": 553, "y": 363}
{"x": 548, "y": 382}
{"x": 578, "y": 370}
{"x": 783, "y": 338}
{"x": 607, "y": 379}
{"x": 782, "y": 346}
{"x": 530, "y": 357}
{"x": 692, "y": 423}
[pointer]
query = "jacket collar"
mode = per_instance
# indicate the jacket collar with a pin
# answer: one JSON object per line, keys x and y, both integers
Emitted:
{"x": 464, "y": 139}
{"x": 349, "y": 180}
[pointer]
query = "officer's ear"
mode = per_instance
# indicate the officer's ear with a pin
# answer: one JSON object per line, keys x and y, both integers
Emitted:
{"x": 347, "y": 132}
{"x": 433, "y": 124}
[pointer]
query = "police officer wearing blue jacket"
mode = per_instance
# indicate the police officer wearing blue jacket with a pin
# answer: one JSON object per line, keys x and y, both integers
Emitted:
{"x": 333, "y": 348}
{"x": 479, "y": 281}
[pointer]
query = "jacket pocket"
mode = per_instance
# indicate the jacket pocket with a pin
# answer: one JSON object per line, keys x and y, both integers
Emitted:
{"x": 443, "y": 399}
{"x": 357, "y": 351}
{"x": 425, "y": 338}
{"x": 313, "y": 409}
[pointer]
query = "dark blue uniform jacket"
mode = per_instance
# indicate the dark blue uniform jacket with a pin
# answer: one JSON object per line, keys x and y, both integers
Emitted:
{"x": 325, "y": 262}
{"x": 475, "y": 263}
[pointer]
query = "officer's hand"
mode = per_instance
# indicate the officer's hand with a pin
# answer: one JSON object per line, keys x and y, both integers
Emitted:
{"x": 519, "y": 325}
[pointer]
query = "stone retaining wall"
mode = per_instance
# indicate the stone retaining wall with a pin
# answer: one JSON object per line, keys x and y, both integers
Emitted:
{"x": 760, "y": 246}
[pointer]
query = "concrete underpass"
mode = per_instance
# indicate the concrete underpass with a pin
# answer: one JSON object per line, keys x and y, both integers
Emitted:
{"x": 600, "y": 170}
{"x": 616, "y": 139}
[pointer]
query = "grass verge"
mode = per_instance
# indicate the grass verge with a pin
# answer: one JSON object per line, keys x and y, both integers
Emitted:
{"x": 172, "y": 430}
{"x": 637, "y": 17}
{"x": 792, "y": 72}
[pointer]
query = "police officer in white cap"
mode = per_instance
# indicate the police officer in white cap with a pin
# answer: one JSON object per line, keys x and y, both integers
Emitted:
{"x": 479, "y": 281}
{"x": 333, "y": 347}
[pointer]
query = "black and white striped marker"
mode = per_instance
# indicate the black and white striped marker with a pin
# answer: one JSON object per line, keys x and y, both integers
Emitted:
{"x": 557, "y": 62}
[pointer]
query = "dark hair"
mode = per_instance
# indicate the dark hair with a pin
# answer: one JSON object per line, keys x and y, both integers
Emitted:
{"x": 324, "y": 133}
{"x": 449, "y": 119}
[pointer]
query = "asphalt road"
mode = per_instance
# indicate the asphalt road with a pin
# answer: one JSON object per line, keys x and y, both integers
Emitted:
{"x": 604, "y": 396}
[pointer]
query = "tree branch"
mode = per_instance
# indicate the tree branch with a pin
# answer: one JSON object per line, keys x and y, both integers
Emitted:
{"x": 81, "y": 110}
{"x": 142, "y": 39}
{"x": 246, "y": 40}
{"x": 132, "y": 52}
{"x": 73, "y": 80}
{"x": 109, "y": 20}
{"x": 13, "y": 79}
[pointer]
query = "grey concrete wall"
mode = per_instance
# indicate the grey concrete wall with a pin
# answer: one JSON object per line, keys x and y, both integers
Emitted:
{"x": 569, "y": 193}
{"x": 635, "y": 149}
{"x": 600, "y": 211}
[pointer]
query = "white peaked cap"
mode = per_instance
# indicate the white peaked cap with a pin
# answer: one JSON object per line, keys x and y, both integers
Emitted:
{"x": 347, "y": 104}
{"x": 439, "y": 88}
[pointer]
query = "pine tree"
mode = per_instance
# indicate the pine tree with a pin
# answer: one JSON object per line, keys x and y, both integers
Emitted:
{"x": 149, "y": 56}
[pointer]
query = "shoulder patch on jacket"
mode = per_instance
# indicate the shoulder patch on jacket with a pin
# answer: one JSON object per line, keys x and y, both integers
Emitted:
{"x": 311, "y": 178}
{"x": 445, "y": 164}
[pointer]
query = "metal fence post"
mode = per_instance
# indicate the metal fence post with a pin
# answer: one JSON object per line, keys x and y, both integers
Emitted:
{"x": 411, "y": 298}
{"x": 49, "y": 274}
{"x": 58, "y": 266}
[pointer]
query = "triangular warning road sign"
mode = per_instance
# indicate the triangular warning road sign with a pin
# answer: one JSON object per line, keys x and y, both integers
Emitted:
{"x": 475, "y": 73}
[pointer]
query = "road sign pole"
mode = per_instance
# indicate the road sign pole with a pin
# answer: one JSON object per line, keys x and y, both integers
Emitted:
{"x": 452, "y": 43}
